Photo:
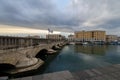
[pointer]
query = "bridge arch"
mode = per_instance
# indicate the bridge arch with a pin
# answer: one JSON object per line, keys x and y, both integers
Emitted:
{"x": 56, "y": 47}
{"x": 59, "y": 45}
{"x": 42, "y": 54}
{"x": 6, "y": 67}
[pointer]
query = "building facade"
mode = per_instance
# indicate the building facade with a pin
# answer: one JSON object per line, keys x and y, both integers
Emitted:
{"x": 90, "y": 35}
{"x": 55, "y": 36}
{"x": 111, "y": 38}
{"x": 71, "y": 37}
{"x": 118, "y": 39}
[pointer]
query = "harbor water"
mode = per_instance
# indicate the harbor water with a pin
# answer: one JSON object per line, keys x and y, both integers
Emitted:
{"x": 82, "y": 57}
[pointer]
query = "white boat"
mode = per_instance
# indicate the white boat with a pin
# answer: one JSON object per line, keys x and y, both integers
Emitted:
{"x": 84, "y": 43}
{"x": 72, "y": 43}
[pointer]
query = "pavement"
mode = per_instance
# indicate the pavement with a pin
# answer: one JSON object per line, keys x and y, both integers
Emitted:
{"x": 111, "y": 72}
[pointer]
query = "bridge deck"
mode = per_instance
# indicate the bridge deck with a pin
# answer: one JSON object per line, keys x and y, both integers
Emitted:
{"x": 103, "y": 73}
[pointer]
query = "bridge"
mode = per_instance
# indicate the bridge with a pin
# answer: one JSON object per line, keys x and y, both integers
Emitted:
{"x": 19, "y": 54}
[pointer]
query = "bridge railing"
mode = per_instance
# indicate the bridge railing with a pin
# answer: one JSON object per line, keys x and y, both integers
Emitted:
{"x": 8, "y": 43}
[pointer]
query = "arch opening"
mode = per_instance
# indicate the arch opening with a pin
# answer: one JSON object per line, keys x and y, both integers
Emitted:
{"x": 42, "y": 54}
{"x": 6, "y": 67}
{"x": 54, "y": 48}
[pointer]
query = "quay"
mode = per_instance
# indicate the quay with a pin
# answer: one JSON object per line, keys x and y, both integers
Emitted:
{"x": 111, "y": 72}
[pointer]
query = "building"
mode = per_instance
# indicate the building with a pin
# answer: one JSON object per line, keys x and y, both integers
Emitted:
{"x": 55, "y": 36}
{"x": 118, "y": 39}
{"x": 95, "y": 35}
{"x": 71, "y": 37}
{"x": 111, "y": 38}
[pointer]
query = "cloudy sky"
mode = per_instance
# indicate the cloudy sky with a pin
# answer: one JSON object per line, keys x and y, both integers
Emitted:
{"x": 60, "y": 15}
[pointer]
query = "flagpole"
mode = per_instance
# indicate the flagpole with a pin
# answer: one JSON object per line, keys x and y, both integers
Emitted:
{"x": 48, "y": 36}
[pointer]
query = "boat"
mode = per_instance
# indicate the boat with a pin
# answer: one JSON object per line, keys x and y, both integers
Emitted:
{"x": 72, "y": 43}
{"x": 84, "y": 43}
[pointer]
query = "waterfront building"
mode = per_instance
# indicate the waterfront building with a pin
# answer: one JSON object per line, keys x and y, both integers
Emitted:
{"x": 71, "y": 37}
{"x": 95, "y": 35}
{"x": 111, "y": 38}
{"x": 118, "y": 38}
{"x": 55, "y": 36}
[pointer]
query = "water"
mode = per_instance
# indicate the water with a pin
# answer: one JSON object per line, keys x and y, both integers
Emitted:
{"x": 77, "y": 58}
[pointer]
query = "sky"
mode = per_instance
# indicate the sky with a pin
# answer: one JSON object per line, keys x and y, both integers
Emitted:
{"x": 62, "y": 16}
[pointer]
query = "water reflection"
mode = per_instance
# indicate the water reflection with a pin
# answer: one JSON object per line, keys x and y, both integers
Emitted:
{"x": 97, "y": 50}
{"x": 77, "y": 57}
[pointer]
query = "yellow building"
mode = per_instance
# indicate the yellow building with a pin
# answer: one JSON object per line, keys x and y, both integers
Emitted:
{"x": 90, "y": 35}
{"x": 55, "y": 36}
{"x": 111, "y": 38}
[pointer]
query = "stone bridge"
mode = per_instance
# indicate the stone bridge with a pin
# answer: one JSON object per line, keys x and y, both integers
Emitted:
{"x": 24, "y": 58}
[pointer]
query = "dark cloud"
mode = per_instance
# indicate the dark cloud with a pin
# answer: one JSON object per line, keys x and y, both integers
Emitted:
{"x": 76, "y": 15}
{"x": 32, "y": 13}
{"x": 110, "y": 24}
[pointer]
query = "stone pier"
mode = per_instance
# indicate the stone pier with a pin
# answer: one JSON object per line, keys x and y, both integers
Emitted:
{"x": 102, "y": 73}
